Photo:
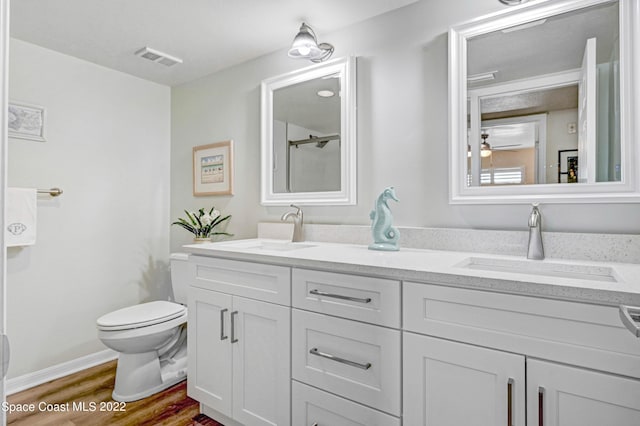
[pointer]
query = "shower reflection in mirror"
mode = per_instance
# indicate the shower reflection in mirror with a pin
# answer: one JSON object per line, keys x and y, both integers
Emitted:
{"x": 306, "y": 136}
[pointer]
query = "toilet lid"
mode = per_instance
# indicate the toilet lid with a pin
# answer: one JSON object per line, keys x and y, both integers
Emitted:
{"x": 142, "y": 315}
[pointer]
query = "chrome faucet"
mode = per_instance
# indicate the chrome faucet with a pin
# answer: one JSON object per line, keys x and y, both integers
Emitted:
{"x": 535, "y": 250}
{"x": 297, "y": 216}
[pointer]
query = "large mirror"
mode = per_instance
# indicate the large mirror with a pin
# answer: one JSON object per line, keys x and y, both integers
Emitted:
{"x": 308, "y": 136}
{"x": 543, "y": 105}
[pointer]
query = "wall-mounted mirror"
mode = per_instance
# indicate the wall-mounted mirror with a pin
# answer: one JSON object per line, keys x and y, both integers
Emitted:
{"x": 309, "y": 136}
{"x": 543, "y": 104}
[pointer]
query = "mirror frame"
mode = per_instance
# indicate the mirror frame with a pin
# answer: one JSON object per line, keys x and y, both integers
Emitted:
{"x": 346, "y": 68}
{"x": 627, "y": 190}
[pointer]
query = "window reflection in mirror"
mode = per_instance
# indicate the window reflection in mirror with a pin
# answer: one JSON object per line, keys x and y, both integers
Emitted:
{"x": 544, "y": 101}
{"x": 306, "y": 136}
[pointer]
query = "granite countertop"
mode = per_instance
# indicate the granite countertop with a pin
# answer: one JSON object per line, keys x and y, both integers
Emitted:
{"x": 606, "y": 283}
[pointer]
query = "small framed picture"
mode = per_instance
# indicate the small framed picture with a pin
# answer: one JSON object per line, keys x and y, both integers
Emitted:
{"x": 213, "y": 169}
{"x": 568, "y": 166}
{"x": 26, "y": 121}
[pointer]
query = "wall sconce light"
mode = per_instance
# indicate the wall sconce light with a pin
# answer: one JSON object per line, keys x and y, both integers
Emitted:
{"x": 305, "y": 46}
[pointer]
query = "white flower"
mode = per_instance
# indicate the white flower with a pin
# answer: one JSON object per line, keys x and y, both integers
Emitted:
{"x": 215, "y": 214}
{"x": 206, "y": 220}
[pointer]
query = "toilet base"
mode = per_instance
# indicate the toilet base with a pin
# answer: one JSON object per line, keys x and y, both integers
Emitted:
{"x": 141, "y": 375}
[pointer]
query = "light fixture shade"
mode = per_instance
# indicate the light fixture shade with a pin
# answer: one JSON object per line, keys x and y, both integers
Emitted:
{"x": 485, "y": 148}
{"x": 485, "y": 151}
{"x": 305, "y": 46}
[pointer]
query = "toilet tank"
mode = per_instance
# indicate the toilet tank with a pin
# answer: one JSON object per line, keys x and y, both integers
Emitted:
{"x": 179, "y": 276}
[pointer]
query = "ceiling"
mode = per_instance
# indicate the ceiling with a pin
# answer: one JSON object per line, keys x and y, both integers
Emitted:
{"x": 208, "y": 35}
{"x": 557, "y": 44}
{"x": 301, "y": 105}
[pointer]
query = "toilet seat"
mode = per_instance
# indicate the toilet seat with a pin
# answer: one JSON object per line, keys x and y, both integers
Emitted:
{"x": 143, "y": 315}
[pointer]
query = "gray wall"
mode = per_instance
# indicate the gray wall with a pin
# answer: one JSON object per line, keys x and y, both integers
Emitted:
{"x": 402, "y": 132}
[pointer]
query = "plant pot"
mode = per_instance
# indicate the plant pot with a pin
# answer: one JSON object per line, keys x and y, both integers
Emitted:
{"x": 200, "y": 240}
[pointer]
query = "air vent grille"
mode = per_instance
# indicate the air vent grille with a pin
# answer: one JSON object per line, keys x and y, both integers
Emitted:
{"x": 158, "y": 57}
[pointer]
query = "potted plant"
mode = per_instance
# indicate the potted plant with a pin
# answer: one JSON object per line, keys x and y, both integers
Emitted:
{"x": 202, "y": 225}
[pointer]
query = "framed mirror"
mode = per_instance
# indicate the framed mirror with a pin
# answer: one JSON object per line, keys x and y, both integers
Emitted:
{"x": 544, "y": 104}
{"x": 308, "y": 136}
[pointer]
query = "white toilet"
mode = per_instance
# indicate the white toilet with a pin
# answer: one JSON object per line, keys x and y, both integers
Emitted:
{"x": 151, "y": 339}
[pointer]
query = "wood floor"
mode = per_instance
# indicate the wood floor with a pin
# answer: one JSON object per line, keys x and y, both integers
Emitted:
{"x": 85, "y": 393}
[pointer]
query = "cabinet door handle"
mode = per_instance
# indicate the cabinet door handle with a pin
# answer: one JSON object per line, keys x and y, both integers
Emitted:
{"x": 340, "y": 296}
{"x": 233, "y": 327}
{"x": 316, "y": 352}
{"x": 510, "y": 384}
{"x": 630, "y": 316}
{"x": 222, "y": 336}
{"x": 540, "y": 406}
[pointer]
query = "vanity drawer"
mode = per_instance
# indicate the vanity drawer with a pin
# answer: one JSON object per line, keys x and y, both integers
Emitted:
{"x": 268, "y": 283}
{"x": 355, "y": 360}
{"x": 367, "y": 299}
{"x": 312, "y": 406}
{"x": 582, "y": 334}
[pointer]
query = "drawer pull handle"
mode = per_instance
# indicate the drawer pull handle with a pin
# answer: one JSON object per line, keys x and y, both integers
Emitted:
{"x": 233, "y": 327}
{"x": 222, "y": 336}
{"x": 339, "y": 296}
{"x": 316, "y": 352}
{"x": 630, "y": 316}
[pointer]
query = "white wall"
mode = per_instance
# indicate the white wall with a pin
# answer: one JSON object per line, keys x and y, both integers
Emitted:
{"x": 559, "y": 138}
{"x": 104, "y": 243}
{"x": 402, "y": 131}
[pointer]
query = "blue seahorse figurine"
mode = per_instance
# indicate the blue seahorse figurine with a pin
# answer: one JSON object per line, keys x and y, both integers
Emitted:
{"x": 385, "y": 235}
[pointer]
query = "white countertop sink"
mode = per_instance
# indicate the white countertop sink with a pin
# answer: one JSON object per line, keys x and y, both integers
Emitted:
{"x": 269, "y": 245}
{"x": 550, "y": 269}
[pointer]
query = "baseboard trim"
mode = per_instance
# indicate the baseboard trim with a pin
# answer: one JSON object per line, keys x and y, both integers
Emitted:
{"x": 39, "y": 377}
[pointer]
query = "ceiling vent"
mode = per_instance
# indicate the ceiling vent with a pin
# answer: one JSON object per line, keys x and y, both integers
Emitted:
{"x": 158, "y": 57}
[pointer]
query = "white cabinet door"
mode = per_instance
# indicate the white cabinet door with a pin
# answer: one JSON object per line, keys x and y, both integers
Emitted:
{"x": 261, "y": 362}
{"x": 448, "y": 383}
{"x": 570, "y": 396}
{"x": 209, "y": 351}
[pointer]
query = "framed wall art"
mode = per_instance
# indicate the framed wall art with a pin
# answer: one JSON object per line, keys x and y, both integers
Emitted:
{"x": 568, "y": 166}
{"x": 213, "y": 169}
{"x": 26, "y": 121}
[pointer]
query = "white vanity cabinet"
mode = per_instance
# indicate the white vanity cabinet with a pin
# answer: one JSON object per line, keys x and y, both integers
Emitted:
{"x": 239, "y": 348}
{"x": 299, "y": 346}
{"x": 513, "y": 343}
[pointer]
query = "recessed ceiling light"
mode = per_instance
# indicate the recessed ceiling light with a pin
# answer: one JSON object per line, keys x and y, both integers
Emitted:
{"x": 325, "y": 93}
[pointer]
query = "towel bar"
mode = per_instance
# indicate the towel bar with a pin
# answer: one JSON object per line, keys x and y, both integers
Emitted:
{"x": 54, "y": 192}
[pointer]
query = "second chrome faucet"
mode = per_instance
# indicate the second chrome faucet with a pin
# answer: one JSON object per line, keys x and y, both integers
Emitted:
{"x": 298, "y": 222}
{"x": 535, "y": 250}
